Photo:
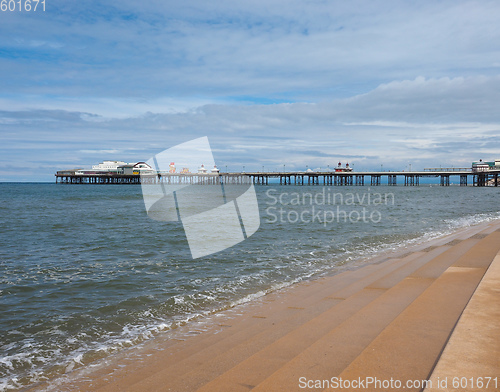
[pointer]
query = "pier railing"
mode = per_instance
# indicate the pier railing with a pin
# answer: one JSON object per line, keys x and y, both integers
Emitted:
{"x": 448, "y": 169}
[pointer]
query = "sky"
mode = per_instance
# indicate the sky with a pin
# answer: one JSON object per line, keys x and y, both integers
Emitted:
{"x": 305, "y": 84}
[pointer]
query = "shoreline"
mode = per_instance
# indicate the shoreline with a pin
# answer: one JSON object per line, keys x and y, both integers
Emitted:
{"x": 264, "y": 321}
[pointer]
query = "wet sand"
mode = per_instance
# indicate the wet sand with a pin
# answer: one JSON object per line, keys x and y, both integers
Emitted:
{"x": 431, "y": 312}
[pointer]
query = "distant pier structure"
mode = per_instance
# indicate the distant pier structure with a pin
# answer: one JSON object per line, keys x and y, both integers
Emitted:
{"x": 334, "y": 178}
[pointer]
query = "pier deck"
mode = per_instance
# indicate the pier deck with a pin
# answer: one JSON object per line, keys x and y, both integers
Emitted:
{"x": 373, "y": 178}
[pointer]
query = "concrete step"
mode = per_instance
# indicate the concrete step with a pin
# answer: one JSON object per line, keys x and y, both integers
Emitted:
{"x": 410, "y": 346}
{"x": 198, "y": 368}
{"x": 199, "y": 359}
{"x": 190, "y": 340}
{"x": 335, "y": 351}
{"x": 471, "y": 359}
{"x": 270, "y": 359}
{"x": 422, "y": 267}
{"x": 258, "y": 366}
{"x": 184, "y": 355}
{"x": 290, "y": 345}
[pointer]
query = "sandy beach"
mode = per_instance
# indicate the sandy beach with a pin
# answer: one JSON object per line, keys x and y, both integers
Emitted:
{"x": 431, "y": 312}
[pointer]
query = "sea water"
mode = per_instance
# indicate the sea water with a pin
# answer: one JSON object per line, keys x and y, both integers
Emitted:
{"x": 85, "y": 273}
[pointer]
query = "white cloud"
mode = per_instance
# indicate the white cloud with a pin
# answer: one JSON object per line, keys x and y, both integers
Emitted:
{"x": 391, "y": 124}
{"x": 291, "y": 50}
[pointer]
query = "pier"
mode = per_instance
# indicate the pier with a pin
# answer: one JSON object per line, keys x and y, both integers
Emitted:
{"x": 464, "y": 177}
